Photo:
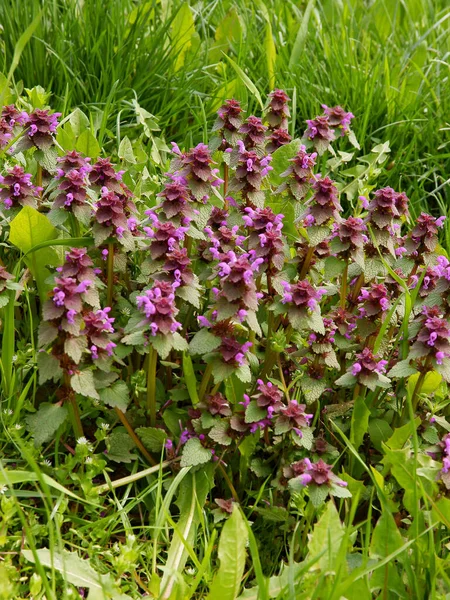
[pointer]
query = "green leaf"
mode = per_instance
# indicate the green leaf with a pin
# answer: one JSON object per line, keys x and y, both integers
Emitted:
{"x": 20, "y": 46}
{"x": 28, "y": 229}
{"x": 219, "y": 433}
{"x": 87, "y": 144}
{"x": 45, "y": 422}
{"x": 191, "y": 499}
{"x": 402, "y": 434}
{"x": 430, "y": 384}
{"x": 74, "y": 347}
{"x": 402, "y": 369}
{"x": 203, "y": 342}
{"x": 360, "y": 422}
{"x": 126, "y": 151}
{"x": 280, "y": 161}
{"x": 379, "y": 431}
{"x": 194, "y": 454}
{"x": 246, "y": 81}
{"x": 182, "y": 30}
{"x": 120, "y": 446}
{"x": 232, "y": 555}
{"x": 254, "y": 413}
{"x": 327, "y": 536}
{"x": 83, "y": 383}
{"x": 117, "y": 395}
{"x": 79, "y": 122}
{"x": 152, "y": 438}
{"x": 75, "y": 570}
{"x": 318, "y": 494}
{"x": 190, "y": 379}
{"x": 300, "y": 40}
{"x": 49, "y": 368}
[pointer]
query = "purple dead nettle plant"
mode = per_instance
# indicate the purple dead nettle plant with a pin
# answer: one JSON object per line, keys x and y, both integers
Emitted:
{"x": 76, "y": 335}
{"x": 255, "y": 322}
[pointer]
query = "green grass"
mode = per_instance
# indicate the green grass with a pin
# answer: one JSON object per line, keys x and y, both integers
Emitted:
{"x": 387, "y": 61}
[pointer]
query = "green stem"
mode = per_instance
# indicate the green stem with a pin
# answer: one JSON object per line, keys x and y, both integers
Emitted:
{"x": 205, "y": 380}
{"x": 134, "y": 437}
{"x": 151, "y": 385}
{"x": 110, "y": 274}
{"x": 306, "y": 262}
{"x": 225, "y": 184}
{"x": 344, "y": 285}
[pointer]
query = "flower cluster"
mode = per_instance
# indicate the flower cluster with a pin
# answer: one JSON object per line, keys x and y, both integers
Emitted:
{"x": 17, "y": 189}
{"x": 254, "y": 132}
{"x": 41, "y": 127}
{"x": 159, "y": 308}
{"x": 433, "y": 339}
{"x": 299, "y": 174}
{"x": 305, "y": 473}
{"x": 195, "y": 166}
{"x": 324, "y": 204}
{"x": 374, "y": 300}
{"x": 278, "y": 110}
{"x": 249, "y": 174}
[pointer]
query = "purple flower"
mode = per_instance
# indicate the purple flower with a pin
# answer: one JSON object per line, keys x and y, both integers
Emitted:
{"x": 255, "y": 132}
{"x": 72, "y": 190}
{"x": 319, "y": 130}
{"x": 18, "y": 189}
{"x": 195, "y": 167}
{"x": 165, "y": 237}
{"x": 433, "y": 338}
{"x": 5, "y": 133}
{"x": 424, "y": 237}
{"x": 338, "y": 118}
{"x": 176, "y": 198}
{"x": 278, "y": 138}
{"x": 278, "y": 110}
{"x": 386, "y": 206}
{"x": 233, "y": 352}
{"x": 368, "y": 368}
{"x": 299, "y": 174}
{"x": 324, "y": 204}
{"x": 73, "y": 160}
{"x": 374, "y": 300}
{"x": 294, "y": 413}
{"x": 228, "y": 121}
{"x": 103, "y": 174}
{"x": 302, "y": 294}
{"x": 158, "y": 306}
{"x": 41, "y": 127}
{"x": 13, "y": 117}
{"x": 217, "y": 404}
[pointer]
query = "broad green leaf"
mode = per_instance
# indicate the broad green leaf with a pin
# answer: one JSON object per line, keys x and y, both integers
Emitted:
{"x": 28, "y": 229}
{"x": 45, "y": 422}
{"x": 280, "y": 161}
{"x": 182, "y": 30}
{"x": 152, "y": 438}
{"x": 83, "y": 383}
{"x": 230, "y": 29}
{"x": 379, "y": 431}
{"x": 386, "y": 539}
{"x": 120, "y": 446}
{"x": 87, "y": 144}
{"x": 326, "y": 538}
{"x": 75, "y": 570}
{"x": 232, "y": 554}
{"x": 203, "y": 342}
{"x": 360, "y": 422}
{"x": 402, "y": 434}
{"x": 78, "y": 122}
{"x": 302, "y": 33}
{"x": 194, "y": 454}
{"x": 116, "y": 395}
{"x": 49, "y": 368}
{"x": 126, "y": 151}
{"x": 189, "y": 378}
{"x": 430, "y": 384}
